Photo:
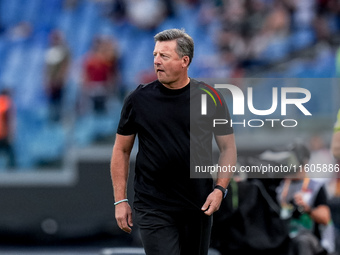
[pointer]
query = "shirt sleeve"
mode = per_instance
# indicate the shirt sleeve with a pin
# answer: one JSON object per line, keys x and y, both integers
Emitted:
{"x": 223, "y": 114}
{"x": 127, "y": 124}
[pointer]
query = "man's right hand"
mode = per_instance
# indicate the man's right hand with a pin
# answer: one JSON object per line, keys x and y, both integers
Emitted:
{"x": 123, "y": 215}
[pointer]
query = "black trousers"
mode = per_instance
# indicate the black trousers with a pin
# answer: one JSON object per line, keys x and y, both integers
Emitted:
{"x": 174, "y": 233}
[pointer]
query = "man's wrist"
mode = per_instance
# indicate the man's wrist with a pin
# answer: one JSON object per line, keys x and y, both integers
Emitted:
{"x": 222, "y": 189}
{"x": 121, "y": 201}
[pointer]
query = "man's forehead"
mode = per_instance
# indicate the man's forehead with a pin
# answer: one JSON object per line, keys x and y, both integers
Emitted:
{"x": 165, "y": 45}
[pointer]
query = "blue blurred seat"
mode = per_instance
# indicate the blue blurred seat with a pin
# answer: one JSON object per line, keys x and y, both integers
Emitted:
{"x": 278, "y": 49}
{"x": 10, "y": 12}
{"x": 301, "y": 38}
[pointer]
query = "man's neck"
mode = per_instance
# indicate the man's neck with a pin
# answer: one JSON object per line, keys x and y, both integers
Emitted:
{"x": 178, "y": 84}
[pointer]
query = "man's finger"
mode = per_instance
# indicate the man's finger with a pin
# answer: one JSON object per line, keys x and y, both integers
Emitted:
{"x": 212, "y": 208}
{"x": 127, "y": 229}
{"x": 130, "y": 222}
{"x": 206, "y": 205}
{"x": 210, "y": 211}
{"x": 124, "y": 226}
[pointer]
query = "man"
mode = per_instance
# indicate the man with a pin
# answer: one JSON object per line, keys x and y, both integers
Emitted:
{"x": 173, "y": 210}
{"x": 57, "y": 61}
{"x": 100, "y": 73}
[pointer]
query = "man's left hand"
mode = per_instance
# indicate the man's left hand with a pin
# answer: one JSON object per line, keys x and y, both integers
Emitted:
{"x": 213, "y": 202}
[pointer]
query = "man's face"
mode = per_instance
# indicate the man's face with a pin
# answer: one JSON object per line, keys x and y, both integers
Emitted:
{"x": 169, "y": 66}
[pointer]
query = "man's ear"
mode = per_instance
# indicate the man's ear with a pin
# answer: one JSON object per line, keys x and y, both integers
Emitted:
{"x": 185, "y": 61}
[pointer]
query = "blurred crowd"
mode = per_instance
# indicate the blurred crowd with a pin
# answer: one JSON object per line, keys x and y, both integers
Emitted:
{"x": 249, "y": 27}
{"x": 244, "y": 33}
{"x": 101, "y": 49}
{"x": 247, "y": 33}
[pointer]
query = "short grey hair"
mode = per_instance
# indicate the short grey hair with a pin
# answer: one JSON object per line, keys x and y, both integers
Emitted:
{"x": 185, "y": 44}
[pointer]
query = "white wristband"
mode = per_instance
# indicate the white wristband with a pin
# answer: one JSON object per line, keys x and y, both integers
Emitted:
{"x": 121, "y": 201}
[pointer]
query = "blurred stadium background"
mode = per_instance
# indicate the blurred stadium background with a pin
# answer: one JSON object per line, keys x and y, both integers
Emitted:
{"x": 59, "y": 190}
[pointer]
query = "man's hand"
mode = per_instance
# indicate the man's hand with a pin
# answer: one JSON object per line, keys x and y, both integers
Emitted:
{"x": 123, "y": 214}
{"x": 213, "y": 202}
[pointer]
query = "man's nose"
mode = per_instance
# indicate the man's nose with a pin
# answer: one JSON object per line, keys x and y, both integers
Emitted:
{"x": 156, "y": 60}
